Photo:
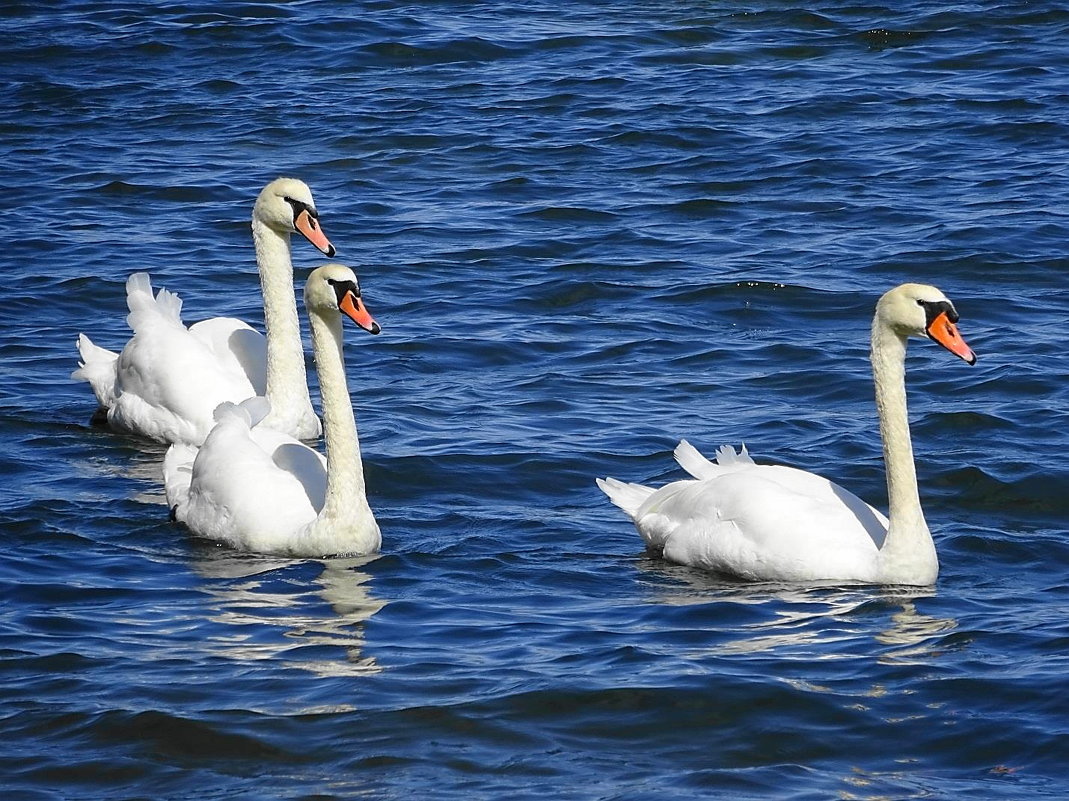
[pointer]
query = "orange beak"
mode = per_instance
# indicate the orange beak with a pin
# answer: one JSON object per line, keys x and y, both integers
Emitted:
{"x": 946, "y": 334}
{"x": 309, "y": 226}
{"x": 354, "y": 309}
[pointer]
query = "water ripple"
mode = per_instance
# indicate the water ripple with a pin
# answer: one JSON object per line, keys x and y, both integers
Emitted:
{"x": 587, "y": 231}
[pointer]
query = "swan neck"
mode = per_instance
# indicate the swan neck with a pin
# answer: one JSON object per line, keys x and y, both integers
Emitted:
{"x": 908, "y": 548}
{"x": 287, "y": 381}
{"x": 346, "y": 498}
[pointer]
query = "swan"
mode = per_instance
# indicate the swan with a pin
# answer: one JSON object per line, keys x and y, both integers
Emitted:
{"x": 168, "y": 379}
{"x": 777, "y": 523}
{"x": 257, "y": 489}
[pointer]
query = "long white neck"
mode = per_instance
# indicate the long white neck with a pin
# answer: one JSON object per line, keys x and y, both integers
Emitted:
{"x": 908, "y": 554}
{"x": 346, "y": 516}
{"x": 287, "y": 380}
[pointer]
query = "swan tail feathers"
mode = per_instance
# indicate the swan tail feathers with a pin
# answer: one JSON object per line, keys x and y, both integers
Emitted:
{"x": 178, "y": 475}
{"x": 144, "y": 306}
{"x": 701, "y": 468}
{"x": 692, "y": 461}
{"x": 231, "y": 411}
{"x": 726, "y": 456}
{"x": 250, "y": 411}
{"x": 628, "y": 497}
{"x": 98, "y": 367}
{"x": 257, "y": 407}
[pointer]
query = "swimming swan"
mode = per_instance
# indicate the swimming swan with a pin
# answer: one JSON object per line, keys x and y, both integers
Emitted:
{"x": 776, "y": 523}
{"x": 169, "y": 379}
{"x": 255, "y": 488}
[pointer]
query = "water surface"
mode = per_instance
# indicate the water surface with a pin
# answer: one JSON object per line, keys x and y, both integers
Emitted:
{"x": 587, "y": 230}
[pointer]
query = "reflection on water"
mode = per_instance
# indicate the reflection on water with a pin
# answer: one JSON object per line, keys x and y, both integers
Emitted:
{"x": 142, "y": 464}
{"x": 268, "y": 607}
{"x": 801, "y": 617}
{"x": 269, "y": 614}
{"x": 915, "y": 634}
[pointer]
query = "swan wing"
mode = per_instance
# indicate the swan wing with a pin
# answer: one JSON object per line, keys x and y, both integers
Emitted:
{"x": 167, "y": 381}
{"x": 630, "y": 497}
{"x": 305, "y": 465}
{"x": 240, "y": 349}
{"x": 763, "y": 522}
{"x": 168, "y": 385}
{"x": 238, "y": 492}
{"x": 237, "y": 346}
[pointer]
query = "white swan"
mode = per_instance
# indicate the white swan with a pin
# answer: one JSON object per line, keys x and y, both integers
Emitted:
{"x": 775, "y": 523}
{"x": 257, "y": 489}
{"x": 169, "y": 379}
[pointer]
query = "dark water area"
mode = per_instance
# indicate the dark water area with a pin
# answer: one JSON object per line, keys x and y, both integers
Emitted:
{"x": 587, "y": 230}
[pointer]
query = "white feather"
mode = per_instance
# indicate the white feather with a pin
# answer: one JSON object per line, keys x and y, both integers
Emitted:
{"x": 168, "y": 379}
{"x": 776, "y": 523}
{"x": 259, "y": 489}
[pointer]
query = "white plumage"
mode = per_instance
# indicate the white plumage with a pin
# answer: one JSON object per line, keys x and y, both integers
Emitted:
{"x": 168, "y": 379}
{"x": 777, "y": 523}
{"x": 258, "y": 489}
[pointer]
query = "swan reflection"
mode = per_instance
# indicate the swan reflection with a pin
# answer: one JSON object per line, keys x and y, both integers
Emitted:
{"x": 123, "y": 457}
{"x": 800, "y": 617}
{"x": 914, "y": 632}
{"x": 269, "y": 613}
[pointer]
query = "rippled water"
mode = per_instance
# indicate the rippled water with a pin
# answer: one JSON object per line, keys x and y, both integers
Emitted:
{"x": 587, "y": 230}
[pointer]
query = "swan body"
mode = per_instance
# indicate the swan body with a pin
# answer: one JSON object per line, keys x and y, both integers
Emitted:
{"x": 168, "y": 380}
{"x": 777, "y": 523}
{"x": 257, "y": 488}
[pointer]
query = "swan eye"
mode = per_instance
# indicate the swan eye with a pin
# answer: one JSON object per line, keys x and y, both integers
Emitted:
{"x": 343, "y": 287}
{"x": 347, "y": 286}
{"x": 933, "y": 308}
{"x": 299, "y": 205}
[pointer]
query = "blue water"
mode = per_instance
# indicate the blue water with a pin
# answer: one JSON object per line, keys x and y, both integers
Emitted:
{"x": 588, "y": 230}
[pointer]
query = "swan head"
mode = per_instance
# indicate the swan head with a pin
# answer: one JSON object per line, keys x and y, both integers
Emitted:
{"x": 333, "y": 289}
{"x": 923, "y": 311}
{"x": 285, "y": 205}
